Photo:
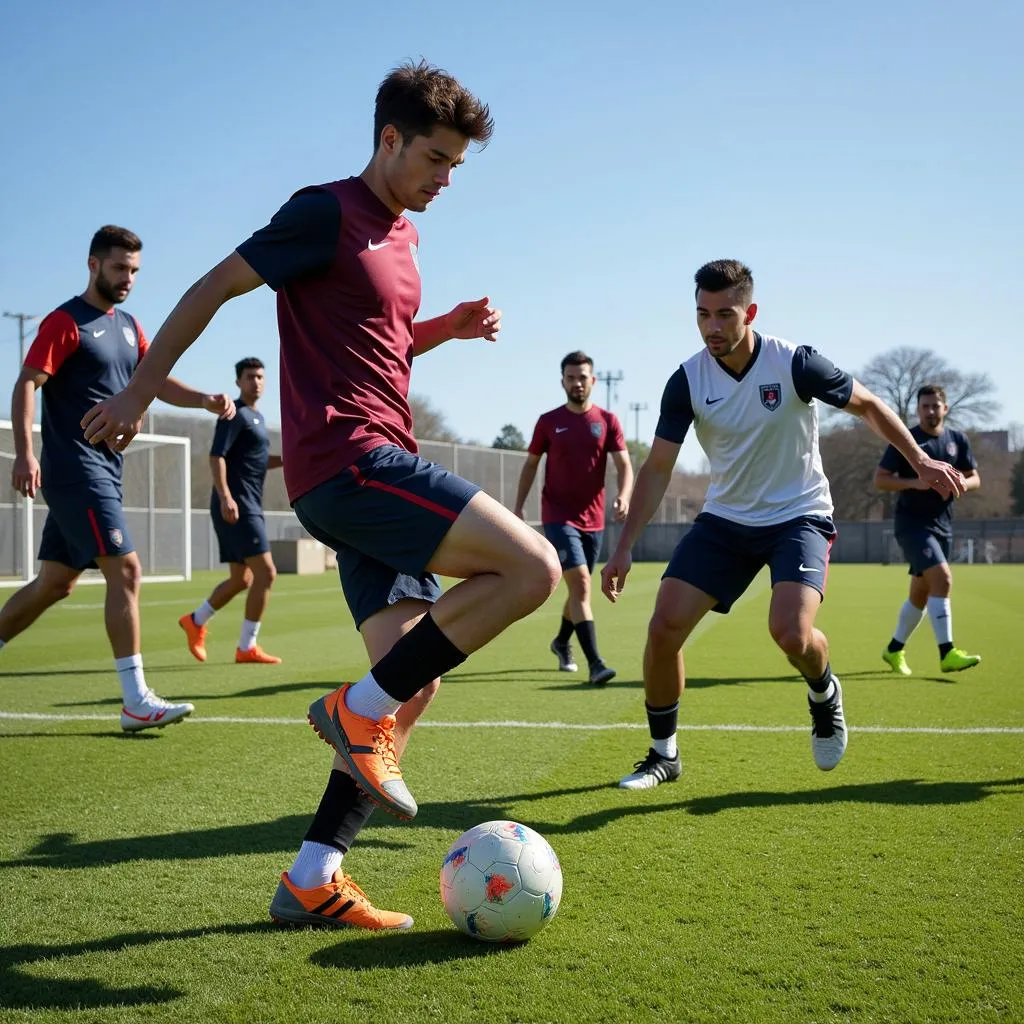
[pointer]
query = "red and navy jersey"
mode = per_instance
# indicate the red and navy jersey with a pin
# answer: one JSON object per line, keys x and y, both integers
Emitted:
{"x": 90, "y": 356}
{"x": 577, "y": 446}
{"x": 244, "y": 445}
{"x": 348, "y": 288}
{"x": 929, "y": 508}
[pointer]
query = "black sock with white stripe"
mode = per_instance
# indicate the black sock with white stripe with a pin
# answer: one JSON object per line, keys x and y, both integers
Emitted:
{"x": 663, "y": 723}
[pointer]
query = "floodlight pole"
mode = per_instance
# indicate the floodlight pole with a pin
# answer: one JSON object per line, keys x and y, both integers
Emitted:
{"x": 636, "y": 408}
{"x": 22, "y": 318}
{"x": 609, "y": 379}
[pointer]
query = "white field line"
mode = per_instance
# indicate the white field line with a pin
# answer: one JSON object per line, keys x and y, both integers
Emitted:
{"x": 32, "y": 716}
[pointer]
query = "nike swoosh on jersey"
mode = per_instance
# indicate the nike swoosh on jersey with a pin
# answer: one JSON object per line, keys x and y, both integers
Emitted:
{"x": 561, "y": 430}
{"x": 712, "y": 401}
{"x": 374, "y": 248}
{"x": 96, "y": 334}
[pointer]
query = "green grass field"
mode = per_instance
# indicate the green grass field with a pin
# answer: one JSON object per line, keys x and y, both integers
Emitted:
{"x": 136, "y": 872}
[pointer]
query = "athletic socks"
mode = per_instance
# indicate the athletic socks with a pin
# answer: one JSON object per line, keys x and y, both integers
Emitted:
{"x": 249, "y": 632}
{"x": 821, "y": 689}
{"x": 315, "y": 865}
{"x": 202, "y": 615}
{"x": 132, "y": 679}
{"x": 565, "y": 632}
{"x": 422, "y": 655}
{"x": 663, "y": 723}
{"x": 906, "y": 622}
{"x": 587, "y": 636}
{"x": 940, "y": 614}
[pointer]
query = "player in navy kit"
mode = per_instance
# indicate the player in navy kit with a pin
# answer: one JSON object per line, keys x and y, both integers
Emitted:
{"x": 751, "y": 398}
{"x": 239, "y": 460}
{"x": 578, "y": 438}
{"x": 924, "y": 530}
{"x": 86, "y": 351}
{"x": 344, "y": 260}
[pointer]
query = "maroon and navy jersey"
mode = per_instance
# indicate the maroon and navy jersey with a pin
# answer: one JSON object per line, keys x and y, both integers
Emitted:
{"x": 348, "y": 288}
{"x": 90, "y": 356}
{"x": 577, "y": 446}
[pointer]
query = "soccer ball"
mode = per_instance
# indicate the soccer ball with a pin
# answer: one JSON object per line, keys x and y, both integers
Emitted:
{"x": 501, "y": 882}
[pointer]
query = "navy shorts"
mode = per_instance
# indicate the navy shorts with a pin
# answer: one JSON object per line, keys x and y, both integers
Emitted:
{"x": 722, "y": 558}
{"x": 385, "y": 516}
{"x": 240, "y": 540}
{"x": 574, "y": 546}
{"x": 922, "y": 547}
{"x": 85, "y": 522}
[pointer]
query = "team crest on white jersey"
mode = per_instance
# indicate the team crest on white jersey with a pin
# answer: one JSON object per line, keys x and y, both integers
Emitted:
{"x": 596, "y": 428}
{"x": 771, "y": 396}
{"x": 116, "y": 538}
{"x": 414, "y": 252}
{"x": 129, "y": 335}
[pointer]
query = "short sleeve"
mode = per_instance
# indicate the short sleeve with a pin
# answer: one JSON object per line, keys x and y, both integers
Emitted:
{"x": 676, "y": 409}
{"x": 539, "y": 441}
{"x": 965, "y": 460}
{"x": 893, "y": 461}
{"x": 814, "y": 376}
{"x": 56, "y": 339}
{"x": 224, "y": 436}
{"x": 616, "y": 438}
{"x": 141, "y": 335}
{"x": 300, "y": 241}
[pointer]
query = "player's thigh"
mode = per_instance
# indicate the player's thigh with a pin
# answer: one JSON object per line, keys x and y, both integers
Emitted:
{"x": 122, "y": 572}
{"x": 487, "y": 537}
{"x": 261, "y": 567}
{"x": 577, "y": 581}
{"x": 792, "y": 611}
{"x": 84, "y": 523}
{"x": 716, "y": 560}
{"x": 569, "y": 545}
{"x": 371, "y": 587}
{"x": 56, "y": 579}
{"x": 939, "y": 579}
{"x": 798, "y": 553}
{"x": 678, "y": 609}
{"x": 922, "y": 549}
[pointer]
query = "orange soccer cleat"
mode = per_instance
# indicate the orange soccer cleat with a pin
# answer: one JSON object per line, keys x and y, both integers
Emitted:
{"x": 338, "y": 904}
{"x": 367, "y": 747}
{"x": 196, "y": 636}
{"x": 255, "y": 656}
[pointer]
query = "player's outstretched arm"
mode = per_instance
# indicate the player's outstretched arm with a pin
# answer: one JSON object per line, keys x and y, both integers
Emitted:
{"x": 476, "y": 319}
{"x": 526, "y": 478}
{"x": 173, "y": 392}
{"x": 889, "y": 427}
{"x": 117, "y": 419}
{"x": 651, "y": 483}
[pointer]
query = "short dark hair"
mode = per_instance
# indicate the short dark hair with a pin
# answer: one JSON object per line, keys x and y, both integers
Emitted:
{"x": 249, "y": 363}
{"x": 722, "y": 275}
{"x": 110, "y": 236}
{"x": 418, "y": 97}
{"x": 932, "y": 389}
{"x": 577, "y": 358}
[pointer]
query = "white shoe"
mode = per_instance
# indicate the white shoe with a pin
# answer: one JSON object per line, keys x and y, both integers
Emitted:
{"x": 828, "y": 730}
{"x": 652, "y": 771}
{"x": 153, "y": 712}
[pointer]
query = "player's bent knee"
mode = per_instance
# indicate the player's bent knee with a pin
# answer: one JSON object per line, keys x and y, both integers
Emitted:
{"x": 790, "y": 639}
{"x": 666, "y": 633}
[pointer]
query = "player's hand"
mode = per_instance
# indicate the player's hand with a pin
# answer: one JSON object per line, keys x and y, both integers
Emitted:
{"x": 222, "y": 406}
{"x": 613, "y": 575}
{"x": 229, "y": 509}
{"x": 114, "y": 421}
{"x": 477, "y": 319}
{"x": 620, "y": 509}
{"x": 941, "y": 477}
{"x": 26, "y": 477}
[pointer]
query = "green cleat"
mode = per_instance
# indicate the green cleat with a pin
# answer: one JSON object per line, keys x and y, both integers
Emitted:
{"x": 957, "y": 660}
{"x": 897, "y": 661}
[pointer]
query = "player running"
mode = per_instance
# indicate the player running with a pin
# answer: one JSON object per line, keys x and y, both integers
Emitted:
{"x": 578, "y": 437}
{"x": 924, "y": 530}
{"x": 239, "y": 460}
{"x": 752, "y": 400}
{"x": 85, "y": 351}
{"x": 344, "y": 260}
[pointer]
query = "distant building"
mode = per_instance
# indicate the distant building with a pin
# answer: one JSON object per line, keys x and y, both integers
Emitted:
{"x": 994, "y": 440}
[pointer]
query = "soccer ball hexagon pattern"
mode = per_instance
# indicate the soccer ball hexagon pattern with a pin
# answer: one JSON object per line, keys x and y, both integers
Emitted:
{"x": 501, "y": 882}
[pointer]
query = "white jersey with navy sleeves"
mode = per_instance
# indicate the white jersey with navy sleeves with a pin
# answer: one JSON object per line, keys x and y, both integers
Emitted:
{"x": 759, "y": 429}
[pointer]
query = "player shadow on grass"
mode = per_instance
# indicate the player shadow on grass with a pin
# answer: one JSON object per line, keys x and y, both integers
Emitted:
{"x": 22, "y": 991}
{"x": 697, "y": 682}
{"x": 363, "y": 952}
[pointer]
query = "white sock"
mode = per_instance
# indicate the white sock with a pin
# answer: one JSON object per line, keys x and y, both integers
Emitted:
{"x": 667, "y": 748}
{"x": 315, "y": 864}
{"x": 202, "y": 615}
{"x": 941, "y": 616}
{"x": 249, "y": 631}
{"x": 820, "y": 698}
{"x": 368, "y": 700}
{"x": 132, "y": 678}
{"x": 907, "y": 621}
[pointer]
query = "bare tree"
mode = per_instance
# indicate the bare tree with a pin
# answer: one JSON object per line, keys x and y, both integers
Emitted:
{"x": 849, "y": 455}
{"x": 429, "y": 423}
{"x": 897, "y": 374}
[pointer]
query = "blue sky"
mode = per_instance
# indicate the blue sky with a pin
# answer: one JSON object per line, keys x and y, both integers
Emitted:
{"x": 865, "y": 160}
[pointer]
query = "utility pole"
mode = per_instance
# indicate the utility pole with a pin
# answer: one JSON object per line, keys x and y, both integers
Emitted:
{"x": 636, "y": 408}
{"x": 608, "y": 379}
{"x": 22, "y": 319}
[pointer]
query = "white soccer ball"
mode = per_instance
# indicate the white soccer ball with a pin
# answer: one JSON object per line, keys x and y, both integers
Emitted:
{"x": 501, "y": 882}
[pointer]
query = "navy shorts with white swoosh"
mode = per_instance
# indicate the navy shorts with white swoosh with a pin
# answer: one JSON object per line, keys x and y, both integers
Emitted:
{"x": 722, "y": 558}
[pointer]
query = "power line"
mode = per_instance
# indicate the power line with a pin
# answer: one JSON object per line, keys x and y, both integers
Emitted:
{"x": 22, "y": 318}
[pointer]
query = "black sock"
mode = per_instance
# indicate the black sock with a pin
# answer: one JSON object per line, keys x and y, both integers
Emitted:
{"x": 944, "y": 649}
{"x": 896, "y": 645}
{"x": 588, "y": 640}
{"x": 422, "y": 655}
{"x": 343, "y": 811}
{"x": 821, "y": 685}
{"x": 662, "y": 721}
{"x": 565, "y": 632}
